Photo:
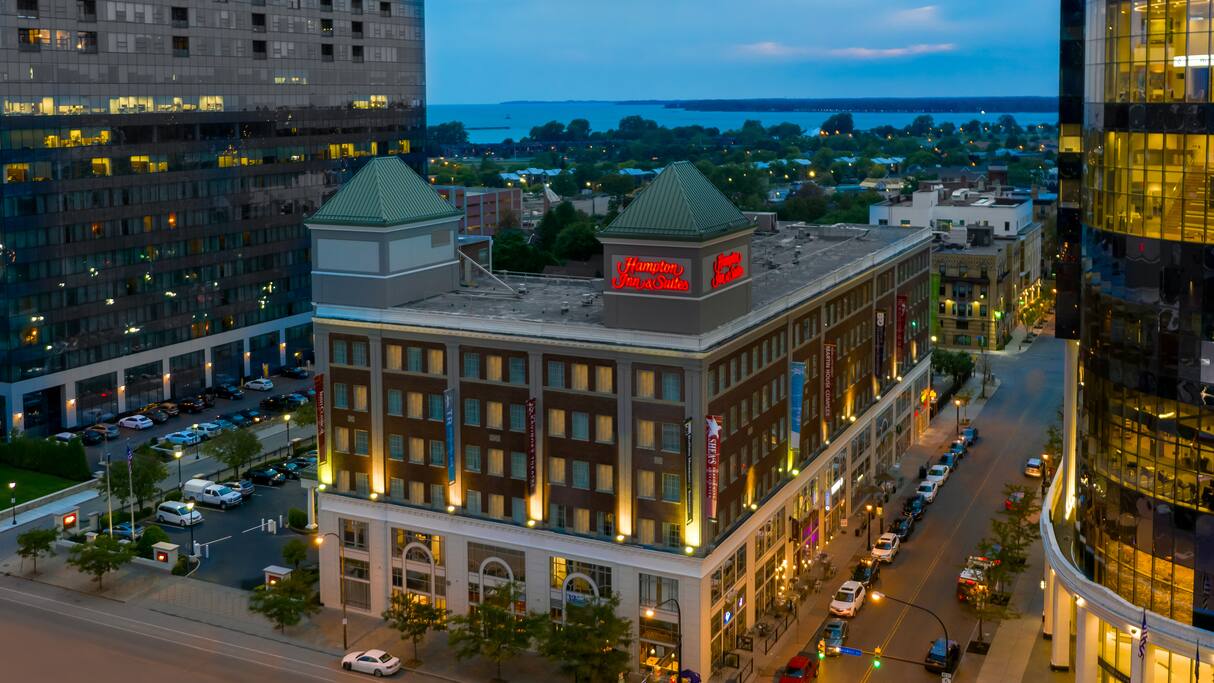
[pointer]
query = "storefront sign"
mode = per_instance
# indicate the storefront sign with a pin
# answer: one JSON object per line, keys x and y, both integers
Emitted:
{"x": 879, "y": 345}
{"x": 531, "y": 478}
{"x": 650, "y": 275}
{"x": 322, "y": 453}
{"x": 796, "y": 403}
{"x": 689, "y": 475}
{"x": 828, "y": 382}
{"x": 726, "y": 268}
{"x": 449, "y": 420}
{"x": 712, "y": 449}
{"x": 900, "y": 327}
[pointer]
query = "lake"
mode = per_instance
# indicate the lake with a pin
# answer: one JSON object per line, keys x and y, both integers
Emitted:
{"x": 496, "y": 122}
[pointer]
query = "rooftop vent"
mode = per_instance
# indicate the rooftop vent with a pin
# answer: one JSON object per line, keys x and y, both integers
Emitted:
{"x": 587, "y": 299}
{"x": 564, "y": 307}
{"x": 522, "y": 288}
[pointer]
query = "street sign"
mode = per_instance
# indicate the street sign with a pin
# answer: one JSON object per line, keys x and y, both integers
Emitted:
{"x": 854, "y": 652}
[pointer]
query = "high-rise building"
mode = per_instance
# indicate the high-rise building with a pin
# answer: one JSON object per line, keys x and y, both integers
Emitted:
{"x": 684, "y": 433}
{"x": 1129, "y": 538}
{"x": 158, "y": 157}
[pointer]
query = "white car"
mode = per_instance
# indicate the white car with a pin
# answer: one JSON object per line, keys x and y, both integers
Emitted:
{"x": 938, "y": 474}
{"x": 136, "y": 422}
{"x": 64, "y": 437}
{"x": 374, "y": 662}
{"x": 1033, "y": 468}
{"x": 259, "y": 384}
{"x": 928, "y": 490}
{"x": 886, "y": 547}
{"x": 208, "y": 430}
{"x": 178, "y": 513}
{"x": 848, "y": 599}
{"x": 183, "y": 438}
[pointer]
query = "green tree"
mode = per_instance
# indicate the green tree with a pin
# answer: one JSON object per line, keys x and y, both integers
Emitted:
{"x": 304, "y": 415}
{"x": 148, "y": 470}
{"x": 549, "y": 132}
{"x": 1053, "y": 438}
{"x": 495, "y": 629}
{"x": 234, "y": 449}
{"x": 593, "y": 643}
{"x": 838, "y": 124}
{"x": 564, "y": 185}
{"x": 284, "y": 603}
{"x": 452, "y": 133}
{"x": 414, "y": 618}
{"x": 578, "y": 130}
{"x": 512, "y": 252}
{"x": 295, "y": 552}
{"x": 922, "y": 125}
{"x": 955, "y": 364}
{"x": 577, "y": 243}
{"x": 151, "y": 536}
{"x": 35, "y": 543}
{"x": 1013, "y": 530}
{"x": 617, "y": 186}
{"x": 104, "y": 555}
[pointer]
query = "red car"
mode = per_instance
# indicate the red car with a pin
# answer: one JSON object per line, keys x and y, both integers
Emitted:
{"x": 1014, "y": 499}
{"x": 799, "y": 668}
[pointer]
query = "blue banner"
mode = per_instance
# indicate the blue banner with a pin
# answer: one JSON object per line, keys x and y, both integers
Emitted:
{"x": 796, "y": 401}
{"x": 449, "y": 419}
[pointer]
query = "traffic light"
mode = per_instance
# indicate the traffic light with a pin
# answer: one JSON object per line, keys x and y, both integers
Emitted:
{"x": 821, "y": 648}
{"x": 876, "y": 658}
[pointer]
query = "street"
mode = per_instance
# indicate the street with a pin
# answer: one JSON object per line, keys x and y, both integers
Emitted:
{"x": 1012, "y": 428}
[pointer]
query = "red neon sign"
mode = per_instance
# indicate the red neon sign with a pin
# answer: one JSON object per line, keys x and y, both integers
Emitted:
{"x": 69, "y": 520}
{"x": 726, "y": 268}
{"x": 650, "y": 275}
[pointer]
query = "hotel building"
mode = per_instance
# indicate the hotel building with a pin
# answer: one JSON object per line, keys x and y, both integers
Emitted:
{"x": 158, "y": 157}
{"x": 692, "y": 427}
{"x": 1129, "y": 534}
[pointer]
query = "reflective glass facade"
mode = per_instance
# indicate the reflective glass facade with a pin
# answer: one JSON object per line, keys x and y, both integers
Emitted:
{"x": 1145, "y": 424}
{"x": 157, "y": 157}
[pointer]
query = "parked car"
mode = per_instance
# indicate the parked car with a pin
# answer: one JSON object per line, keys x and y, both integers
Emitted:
{"x": 295, "y": 400}
{"x": 798, "y": 669}
{"x": 375, "y": 662}
{"x": 136, "y": 422}
{"x": 1013, "y": 500}
{"x": 156, "y": 415}
{"x": 288, "y": 469}
{"x": 903, "y": 527}
{"x": 970, "y": 434}
{"x": 942, "y": 656}
{"x": 208, "y": 492}
{"x": 225, "y": 425}
{"x": 242, "y": 486}
{"x": 170, "y": 408}
{"x": 266, "y": 476}
{"x": 915, "y": 506}
{"x": 1033, "y": 467}
{"x": 229, "y": 391}
{"x": 177, "y": 513}
{"x": 208, "y": 430}
{"x": 91, "y": 437}
{"x": 928, "y": 490}
{"x": 848, "y": 599}
{"x": 938, "y": 474}
{"x": 886, "y": 547}
{"x": 63, "y": 437}
{"x": 192, "y": 404}
{"x": 108, "y": 431}
{"x": 293, "y": 372}
{"x": 959, "y": 447}
{"x": 259, "y": 384}
{"x": 236, "y": 419}
{"x": 300, "y": 463}
{"x": 834, "y": 636}
{"x": 252, "y": 415}
{"x": 123, "y": 530}
{"x": 274, "y": 404}
{"x": 867, "y": 572}
{"x": 185, "y": 437}
{"x": 949, "y": 460}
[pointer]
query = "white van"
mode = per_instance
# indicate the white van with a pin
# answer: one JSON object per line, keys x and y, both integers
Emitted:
{"x": 174, "y": 512}
{"x": 210, "y": 493}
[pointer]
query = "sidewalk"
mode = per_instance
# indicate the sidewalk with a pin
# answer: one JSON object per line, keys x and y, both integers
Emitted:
{"x": 846, "y": 547}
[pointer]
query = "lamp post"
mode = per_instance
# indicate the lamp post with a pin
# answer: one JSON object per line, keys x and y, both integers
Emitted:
{"x": 287, "y": 418}
{"x": 12, "y": 490}
{"x": 868, "y": 528}
{"x": 190, "y": 506}
{"x": 678, "y": 648}
{"x": 957, "y": 403}
{"x": 341, "y": 582}
{"x": 879, "y": 596}
{"x": 177, "y": 457}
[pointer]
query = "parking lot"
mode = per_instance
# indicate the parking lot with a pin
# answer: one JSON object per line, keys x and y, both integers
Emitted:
{"x": 236, "y": 549}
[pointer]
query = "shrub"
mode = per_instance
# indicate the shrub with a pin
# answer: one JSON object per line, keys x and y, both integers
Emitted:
{"x": 151, "y": 536}
{"x": 182, "y": 567}
{"x": 296, "y": 518}
{"x": 48, "y": 457}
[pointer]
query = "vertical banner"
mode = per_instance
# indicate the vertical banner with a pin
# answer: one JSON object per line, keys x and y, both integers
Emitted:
{"x": 449, "y": 421}
{"x": 796, "y": 402}
{"x": 322, "y": 453}
{"x": 265, "y": 370}
{"x": 531, "y": 473}
{"x": 900, "y": 328}
{"x": 712, "y": 449}
{"x": 688, "y": 474}
{"x": 879, "y": 345}
{"x": 828, "y": 383}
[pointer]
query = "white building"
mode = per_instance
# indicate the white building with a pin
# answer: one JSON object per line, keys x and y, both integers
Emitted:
{"x": 941, "y": 209}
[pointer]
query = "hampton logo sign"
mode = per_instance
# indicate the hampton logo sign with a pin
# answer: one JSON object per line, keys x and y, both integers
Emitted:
{"x": 650, "y": 275}
{"x": 726, "y": 268}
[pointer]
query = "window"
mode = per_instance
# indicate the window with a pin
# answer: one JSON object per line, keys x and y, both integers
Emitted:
{"x": 360, "y": 398}
{"x": 604, "y": 478}
{"x": 395, "y": 402}
{"x": 645, "y": 484}
{"x": 645, "y": 386}
{"x": 473, "y": 502}
{"x": 518, "y": 370}
{"x": 672, "y": 534}
{"x": 438, "y": 495}
{"x": 438, "y": 453}
{"x": 385, "y": 9}
{"x": 518, "y": 417}
{"x": 656, "y": 590}
{"x": 670, "y": 488}
{"x": 436, "y": 407}
{"x": 396, "y": 447}
{"x": 645, "y": 434}
{"x": 472, "y": 412}
{"x": 472, "y": 458}
{"x": 341, "y": 354}
{"x": 671, "y": 387}
{"x": 556, "y": 422}
{"x": 414, "y": 359}
{"x": 581, "y": 520}
{"x": 341, "y": 397}
{"x": 556, "y": 374}
{"x": 493, "y": 368}
{"x": 518, "y": 510}
{"x": 361, "y": 442}
{"x": 359, "y": 354}
{"x": 415, "y": 405}
{"x": 326, "y": 52}
{"x": 259, "y": 23}
{"x": 581, "y": 377}
{"x": 181, "y": 46}
{"x": 417, "y": 448}
{"x": 645, "y": 531}
{"x": 472, "y": 365}
{"x": 354, "y": 534}
{"x": 556, "y": 470}
{"x": 581, "y": 474}
{"x": 341, "y": 439}
{"x": 672, "y": 437}
{"x": 496, "y": 505}
{"x": 396, "y": 488}
{"x": 259, "y": 48}
{"x": 326, "y": 25}
{"x": 604, "y": 429}
{"x": 362, "y": 483}
{"x": 493, "y": 414}
{"x": 27, "y": 9}
{"x": 495, "y": 462}
{"x": 417, "y": 493}
{"x": 434, "y": 361}
{"x": 518, "y": 465}
{"x": 580, "y": 428}
{"x": 603, "y": 380}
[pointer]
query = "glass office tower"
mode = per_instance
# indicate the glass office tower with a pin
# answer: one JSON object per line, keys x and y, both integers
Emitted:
{"x": 157, "y": 160}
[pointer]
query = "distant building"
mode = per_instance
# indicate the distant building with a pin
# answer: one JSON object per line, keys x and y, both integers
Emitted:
{"x": 483, "y": 207}
{"x": 940, "y": 209}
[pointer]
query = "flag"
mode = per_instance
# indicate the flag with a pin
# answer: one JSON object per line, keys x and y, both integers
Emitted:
{"x": 130, "y": 458}
{"x": 1197, "y": 661}
{"x": 1142, "y": 636}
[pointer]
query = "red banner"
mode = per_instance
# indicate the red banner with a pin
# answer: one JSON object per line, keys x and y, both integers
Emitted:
{"x": 900, "y": 326}
{"x": 531, "y": 478}
{"x": 322, "y": 454}
{"x": 828, "y": 382}
{"x": 712, "y": 448}
{"x": 879, "y": 345}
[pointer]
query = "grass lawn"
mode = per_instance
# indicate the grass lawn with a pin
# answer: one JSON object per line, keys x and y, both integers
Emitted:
{"x": 30, "y": 485}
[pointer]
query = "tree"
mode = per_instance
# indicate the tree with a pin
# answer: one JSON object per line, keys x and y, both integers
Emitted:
{"x": 452, "y": 133}
{"x": 578, "y": 130}
{"x": 1053, "y": 438}
{"x": 922, "y": 125}
{"x": 512, "y": 252}
{"x": 414, "y": 618}
{"x": 234, "y": 449}
{"x": 564, "y": 185}
{"x": 151, "y": 536}
{"x": 956, "y": 364}
{"x": 577, "y": 243}
{"x": 1013, "y": 530}
{"x": 294, "y": 552}
{"x": 104, "y": 555}
{"x": 838, "y": 124}
{"x": 35, "y": 543}
{"x": 304, "y": 415}
{"x": 592, "y": 644}
{"x": 617, "y": 185}
{"x": 549, "y": 132}
{"x": 494, "y": 629}
{"x": 148, "y": 471}
{"x": 284, "y": 603}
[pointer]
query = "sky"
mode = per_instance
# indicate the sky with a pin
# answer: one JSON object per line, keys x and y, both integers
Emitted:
{"x": 487, "y": 51}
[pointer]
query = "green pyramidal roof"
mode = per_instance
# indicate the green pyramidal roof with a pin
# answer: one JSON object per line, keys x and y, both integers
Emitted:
{"x": 680, "y": 204}
{"x": 384, "y": 192}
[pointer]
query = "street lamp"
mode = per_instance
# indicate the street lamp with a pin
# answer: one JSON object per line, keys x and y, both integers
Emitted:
{"x": 287, "y": 418}
{"x": 177, "y": 457}
{"x": 868, "y": 528}
{"x": 878, "y": 596}
{"x": 341, "y": 582}
{"x": 190, "y": 516}
{"x": 12, "y": 488}
{"x": 678, "y": 648}
{"x": 957, "y": 403}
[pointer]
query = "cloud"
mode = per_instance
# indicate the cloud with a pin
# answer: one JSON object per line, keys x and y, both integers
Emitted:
{"x": 891, "y": 52}
{"x": 916, "y": 16}
{"x": 773, "y": 51}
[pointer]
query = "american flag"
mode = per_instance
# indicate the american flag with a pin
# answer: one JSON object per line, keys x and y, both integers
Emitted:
{"x": 130, "y": 457}
{"x": 1142, "y": 636}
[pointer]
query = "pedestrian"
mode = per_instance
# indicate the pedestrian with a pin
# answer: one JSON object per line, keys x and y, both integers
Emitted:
{"x": 923, "y": 471}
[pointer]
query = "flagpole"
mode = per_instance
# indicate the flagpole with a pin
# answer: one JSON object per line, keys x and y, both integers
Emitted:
{"x": 130, "y": 480}
{"x": 109, "y": 499}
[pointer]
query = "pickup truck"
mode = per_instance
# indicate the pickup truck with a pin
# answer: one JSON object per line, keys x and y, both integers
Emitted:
{"x": 208, "y": 492}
